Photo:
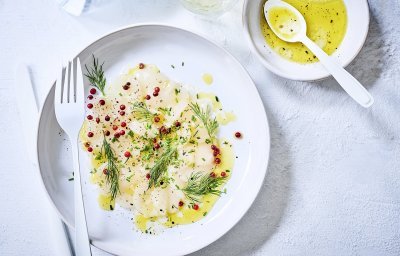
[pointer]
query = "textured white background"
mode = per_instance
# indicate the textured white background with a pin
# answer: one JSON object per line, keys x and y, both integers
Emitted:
{"x": 333, "y": 182}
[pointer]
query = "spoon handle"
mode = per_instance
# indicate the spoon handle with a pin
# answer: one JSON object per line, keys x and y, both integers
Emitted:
{"x": 344, "y": 78}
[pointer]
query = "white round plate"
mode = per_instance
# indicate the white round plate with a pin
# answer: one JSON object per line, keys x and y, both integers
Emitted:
{"x": 357, "y": 30}
{"x": 164, "y": 46}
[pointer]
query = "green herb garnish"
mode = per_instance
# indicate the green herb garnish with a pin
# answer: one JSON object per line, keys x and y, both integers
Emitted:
{"x": 165, "y": 111}
{"x": 147, "y": 151}
{"x": 130, "y": 133}
{"x": 128, "y": 179}
{"x": 202, "y": 184}
{"x": 112, "y": 175}
{"x": 161, "y": 165}
{"x": 141, "y": 112}
{"x": 96, "y": 75}
{"x": 72, "y": 178}
{"x": 205, "y": 116}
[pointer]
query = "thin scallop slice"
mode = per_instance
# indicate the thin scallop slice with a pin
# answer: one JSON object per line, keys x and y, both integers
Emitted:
{"x": 204, "y": 159}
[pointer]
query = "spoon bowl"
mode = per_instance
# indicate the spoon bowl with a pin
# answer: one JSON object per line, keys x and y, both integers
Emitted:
{"x": 291, "y": 30}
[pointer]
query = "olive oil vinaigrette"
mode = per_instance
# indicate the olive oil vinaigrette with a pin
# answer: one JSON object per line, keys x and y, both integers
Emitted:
{"x": 326, "y": 25}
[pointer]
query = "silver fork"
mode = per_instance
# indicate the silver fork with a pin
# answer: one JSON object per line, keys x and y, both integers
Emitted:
{"x": 70, "y": 112}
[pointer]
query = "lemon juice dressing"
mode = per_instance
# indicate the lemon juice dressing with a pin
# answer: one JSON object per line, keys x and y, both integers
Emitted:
{"x": 326, "y": 25}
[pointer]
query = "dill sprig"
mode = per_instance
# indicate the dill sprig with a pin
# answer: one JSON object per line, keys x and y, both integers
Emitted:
{"x": 209, "y": 123}
{"x": 161, "y": 165}
{"x": 202, "y": 184}
{"x": 112, "y": 175}
{"x": 96, "y": 75}
{"x": 141, "y": 112}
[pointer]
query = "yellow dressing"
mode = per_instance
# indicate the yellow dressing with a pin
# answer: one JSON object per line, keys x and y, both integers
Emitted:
{"x": 326, "y": 25}
{"x": 225, "y": 118}
{"x": 227, "y": 157}
{"x": 141, "y": 222}
{"x": 208, "y": 79}
{"x": 284, "y": 22}
{"x": 105, "y": 202}
{"x": 132, "y": 71}
{"x": 187, "y": 214}
{"x": 82, "y": 134}
{"x": 213, "y": 99}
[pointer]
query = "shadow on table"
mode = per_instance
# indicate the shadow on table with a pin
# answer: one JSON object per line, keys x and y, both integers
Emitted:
{"x": 383, "y": 115}
{"x": 264, "y": 216}
{"x": 367, "y": 67}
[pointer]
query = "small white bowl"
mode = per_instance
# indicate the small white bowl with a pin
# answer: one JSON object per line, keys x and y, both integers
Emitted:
{"x": 357, "y": 30}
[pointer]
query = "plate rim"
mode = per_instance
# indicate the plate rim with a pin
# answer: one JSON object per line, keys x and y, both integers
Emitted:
{"x": 264, "y": 165}
{"x": 276, "y": 71}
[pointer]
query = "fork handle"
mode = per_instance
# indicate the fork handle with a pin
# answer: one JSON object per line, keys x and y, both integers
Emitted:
{"x": 82, "y": 243}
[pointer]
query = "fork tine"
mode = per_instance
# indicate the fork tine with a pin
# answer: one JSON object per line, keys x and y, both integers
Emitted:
{"x": 73, "y": 77}
{"x": 58, "y": 94}
{"x": 68, "y": 80}
{"x": 79, "y": 88}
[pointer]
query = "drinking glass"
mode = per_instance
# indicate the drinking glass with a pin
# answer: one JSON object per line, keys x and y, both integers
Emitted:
{"x": 77, "y": 7}
{"x": 209, "y": 7}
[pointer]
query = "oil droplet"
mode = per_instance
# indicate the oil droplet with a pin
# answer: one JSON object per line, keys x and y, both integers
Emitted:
{"x": 225, "y": 118}
{"x": 216, "y": 104}
{"x": 106, "y": 202}
{"x": 141, "y": 222}
{"x": 208, "y": 79}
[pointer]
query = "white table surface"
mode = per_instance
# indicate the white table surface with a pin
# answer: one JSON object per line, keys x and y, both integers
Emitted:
{"x": 333, "y": 182}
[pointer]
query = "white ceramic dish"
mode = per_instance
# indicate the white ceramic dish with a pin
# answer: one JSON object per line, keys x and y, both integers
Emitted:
{"x": 357, "y": 30}
{"x": 163, "y": 46}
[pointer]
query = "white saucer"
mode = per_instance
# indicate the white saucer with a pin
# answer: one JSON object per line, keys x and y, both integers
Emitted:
{"x": 357, "y": 30}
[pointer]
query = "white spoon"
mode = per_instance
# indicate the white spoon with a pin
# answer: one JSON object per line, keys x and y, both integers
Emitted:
{"x": 293, "y": 27}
